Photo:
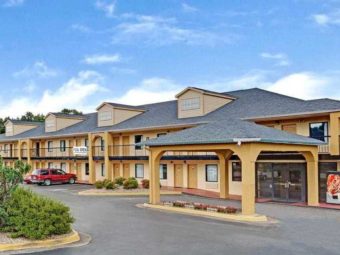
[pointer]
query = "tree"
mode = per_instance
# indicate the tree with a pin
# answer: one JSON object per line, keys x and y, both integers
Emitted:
{"x": 2, "y": 125}
{"x": 29, "y": 116}
{"x": 10, "y": 178}
{"x": 71, "y": 111}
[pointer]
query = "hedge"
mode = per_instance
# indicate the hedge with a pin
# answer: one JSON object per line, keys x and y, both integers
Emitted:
{"x": 36, "y": 217}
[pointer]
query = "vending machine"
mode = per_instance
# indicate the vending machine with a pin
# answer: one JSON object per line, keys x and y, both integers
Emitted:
{"x": 333, "y": 187}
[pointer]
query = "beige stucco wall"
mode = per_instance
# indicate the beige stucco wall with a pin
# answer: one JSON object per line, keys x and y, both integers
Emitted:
{"x": 121, "y": 115}
{"x": 208, "y": 103}
{"x": 211, "y": 103}
{"x": 190, "y": 113}
{"x": 103, "y": 123}
{"x": 53, "y": 123}
{"x": 50, "y": 123}
{"x": 117, "y": 115}
{"x": 14, "y": 129}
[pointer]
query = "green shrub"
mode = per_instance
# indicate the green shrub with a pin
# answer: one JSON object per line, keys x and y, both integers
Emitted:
{"x": 105, "y": 182}
{"x": 36, "y": 217}
{"x": 110, "y": 185}
{"x": 119, "y": 180}
{"x": 145, "y": 183}
{"x": 99, "y": 184}
{"x": 130, "y": 183}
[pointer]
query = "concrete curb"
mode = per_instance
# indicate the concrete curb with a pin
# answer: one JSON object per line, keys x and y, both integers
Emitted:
{"x": 125, "y": 194}
{"x": 42, "y": 244}
{"x": 255, "y": 219}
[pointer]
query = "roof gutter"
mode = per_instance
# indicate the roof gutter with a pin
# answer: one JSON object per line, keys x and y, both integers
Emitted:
{"x": 268, "y": 117}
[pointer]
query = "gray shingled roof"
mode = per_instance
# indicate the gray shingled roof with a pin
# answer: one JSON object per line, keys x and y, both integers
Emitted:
{"x": 230, "y": 131}
{"x": 249, "y": 103}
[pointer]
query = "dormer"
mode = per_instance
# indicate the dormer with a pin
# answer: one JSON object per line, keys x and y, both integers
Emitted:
{"x": 57, "y": 121}
{"x": 15, "y": 127}
{"x": 194, "y": 102}
{"x": 111, "y": 113}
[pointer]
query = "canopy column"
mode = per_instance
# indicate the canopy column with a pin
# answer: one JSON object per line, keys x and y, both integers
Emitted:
{"x": 224, "y": 172}
{"x": 312, "y": 177}
{"x": 248, "y": 154}
{"x": 154, "y": 160}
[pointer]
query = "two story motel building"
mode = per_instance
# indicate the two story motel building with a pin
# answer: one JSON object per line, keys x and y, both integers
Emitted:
{"x": 243, "y": 144}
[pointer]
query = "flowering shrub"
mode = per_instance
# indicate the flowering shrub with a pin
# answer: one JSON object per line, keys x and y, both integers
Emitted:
{"x": 145, "y": 183}
{"x": 202, "y": 206}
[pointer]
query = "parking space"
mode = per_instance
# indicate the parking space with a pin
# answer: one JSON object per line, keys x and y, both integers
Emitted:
{"x": 118, "y": 226}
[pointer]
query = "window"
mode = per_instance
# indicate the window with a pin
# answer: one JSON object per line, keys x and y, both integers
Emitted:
{"x": 103, "y": 116}
{"x": 211, "y": 174}
{"x": 62, "y": 145}
{"x": 43, "y": 172}
{"x": 86, "y": 142}
{"x": 319, "y": 131}
{"x": 139, "y": 171}
{"x": 50, "y": 165}
{"x": 49, "y": 146}
{"x": 190, "y": 103}
{"x": 63, "y": 166}
{"x": 102, "y": 144}
{"x": 5, "y": 147}
{"x": 55, "y": 172}
{"x": 103, "y": 169}
{"x": 138, "y": 139}
{"x": 87, "y": 169}
{"x": 49, "y": 123}
{"x": 236, "y": 171}
{"x": 161, "y": 134}
{"x": 61, "y": 172}
{"x": 163, "y": 171}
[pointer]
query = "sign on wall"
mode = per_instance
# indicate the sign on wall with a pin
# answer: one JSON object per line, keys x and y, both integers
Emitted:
{"x": 333, "y": 187}
{"x": 80, "y": 151}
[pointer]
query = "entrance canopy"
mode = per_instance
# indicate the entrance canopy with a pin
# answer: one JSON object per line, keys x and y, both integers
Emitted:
{"x": 243, "y": 138}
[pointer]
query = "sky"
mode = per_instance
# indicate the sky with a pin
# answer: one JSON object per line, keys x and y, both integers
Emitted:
{"x": 79, "y": 53}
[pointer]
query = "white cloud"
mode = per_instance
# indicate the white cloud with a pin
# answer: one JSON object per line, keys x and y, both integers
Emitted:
{"x": 38, "y": 70}
{"x": 163, "y": 31}
{"x": 188, "y": 8}
{"x": 108, "y": 7}
{"x": 280, "y": 58}
{"x": 150, "y": 90}
{"x": 81, "y": 28}
{"x": 121, "y": 70}
{"x": 102, "y": 59}
{"x": 325, "y": 19}
{"x": 13, "y": 3}
{"x": 73, "y": 94}
{"x": 305, "y": 85}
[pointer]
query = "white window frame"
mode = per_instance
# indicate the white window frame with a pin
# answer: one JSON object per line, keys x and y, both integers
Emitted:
{"x": 102, "y": 170}
{"x": 190, "y": 104}
{"x": 163, "y": 167}
{"x": 105, "y": 116}
{"x": 139, "y": 172}
{"x": 213, "y": 167}
{"x": 49, "y": 148}
{"x": 61, "y": 166}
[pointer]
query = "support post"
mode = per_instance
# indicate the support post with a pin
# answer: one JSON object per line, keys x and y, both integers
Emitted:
{"x": 19, "y": 150}
{"x": 312, "y": 177}
{"x": 108, "y": 166}
{"x": 154, "y": 160}
{"x": 334, "y": 127}
{"x": 92, "y": 173}
{"x": 248, "y": 187}
{"x": 224, "y": 173}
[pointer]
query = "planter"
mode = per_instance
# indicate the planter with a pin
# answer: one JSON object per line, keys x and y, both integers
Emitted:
{"x": 189, "y": 206}
{"x": 212, "y": 209}
{"x": 170, "y": 204}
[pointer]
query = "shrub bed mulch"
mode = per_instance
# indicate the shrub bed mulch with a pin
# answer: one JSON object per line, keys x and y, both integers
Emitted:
{"x": 202, "y": 207}
{"x": 122, "y": 191}
{"x": 6, "y": 239}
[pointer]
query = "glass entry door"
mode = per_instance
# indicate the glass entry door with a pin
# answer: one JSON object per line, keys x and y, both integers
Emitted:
{"x": 281, "y": 182}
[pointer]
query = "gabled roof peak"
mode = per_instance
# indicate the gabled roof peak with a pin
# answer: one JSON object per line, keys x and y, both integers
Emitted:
{"x": 205, "y": 91}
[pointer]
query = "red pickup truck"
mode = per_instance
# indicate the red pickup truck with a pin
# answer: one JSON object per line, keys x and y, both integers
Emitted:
{"x": 50, "y": 176}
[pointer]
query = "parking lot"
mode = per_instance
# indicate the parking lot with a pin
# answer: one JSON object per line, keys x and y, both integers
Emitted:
{"x": 117, "y": 226}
